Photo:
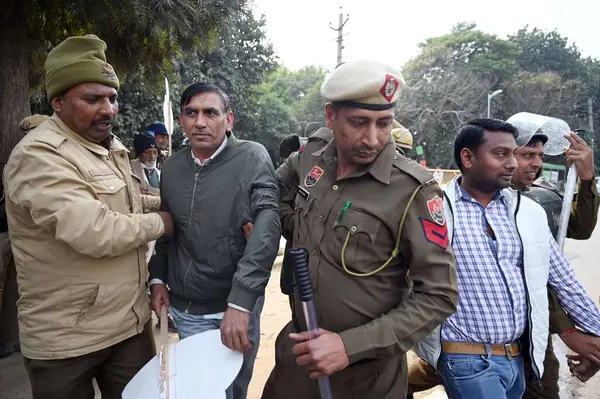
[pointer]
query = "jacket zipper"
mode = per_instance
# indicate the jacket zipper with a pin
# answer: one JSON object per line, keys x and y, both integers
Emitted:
{"x": 530, "y": 332}
{"x": 189, "y": 224}
{"x": 439, "y": 351}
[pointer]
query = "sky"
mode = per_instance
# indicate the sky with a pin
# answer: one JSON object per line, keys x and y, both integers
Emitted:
{"x": 390, "y": 30}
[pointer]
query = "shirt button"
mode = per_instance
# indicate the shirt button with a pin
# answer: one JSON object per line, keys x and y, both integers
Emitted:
{"x": 321, "y": 218}
{"x": 313, "y": 252}
{"x": 111, "y": 188}
{"x": 353, "y": 229}
{"x": 335, "y": 187}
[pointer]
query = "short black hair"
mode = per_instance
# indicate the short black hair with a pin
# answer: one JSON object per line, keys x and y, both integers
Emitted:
{"x": 202, "y": 87}
{"x": 471, "y": 135}
{"x": 536, "y": 139}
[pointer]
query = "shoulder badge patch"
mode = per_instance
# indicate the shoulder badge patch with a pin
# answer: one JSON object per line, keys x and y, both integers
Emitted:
{"x": 435, "y": 206}
{"x": 313, "y": 176}
{"x": 434, "y": 233}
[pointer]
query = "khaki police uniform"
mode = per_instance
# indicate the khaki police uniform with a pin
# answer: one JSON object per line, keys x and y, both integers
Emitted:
{"x": 402, "y": 137}
{"x": 382, "y": 271}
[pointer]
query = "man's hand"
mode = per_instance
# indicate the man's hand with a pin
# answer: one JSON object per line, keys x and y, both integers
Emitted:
{"x": 247, "y": 229}
{"x": 159, "y": 297}
{"x": 581, "y": 368}
{"x": 581, "y": 154}
{"x": 585, "y": 345}
{"x": 234, "y": 330}
{"x": 168, "y": 222}
{"x": 323, "y": 355}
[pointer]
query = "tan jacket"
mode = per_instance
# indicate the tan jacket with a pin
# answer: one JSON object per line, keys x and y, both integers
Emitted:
{"x": 78, "y": 238}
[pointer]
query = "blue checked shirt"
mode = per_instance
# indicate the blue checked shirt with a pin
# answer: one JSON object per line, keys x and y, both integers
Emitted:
{"x": 492, "y": 304}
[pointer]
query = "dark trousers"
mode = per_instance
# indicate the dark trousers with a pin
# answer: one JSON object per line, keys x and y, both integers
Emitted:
{"x": 113, "y": 368}
{"x": 549, "y": 388}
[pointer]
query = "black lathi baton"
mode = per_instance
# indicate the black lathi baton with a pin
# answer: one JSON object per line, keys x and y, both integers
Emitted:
{"x": 299, "y": 258}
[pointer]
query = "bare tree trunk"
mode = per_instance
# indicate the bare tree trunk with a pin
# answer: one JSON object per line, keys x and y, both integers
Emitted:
{"x": 14, "y": 74}
{"x": 14, "y": 105}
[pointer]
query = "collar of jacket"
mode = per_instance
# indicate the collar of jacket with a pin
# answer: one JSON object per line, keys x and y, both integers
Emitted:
{"x": 223, "y": 155}
{"x": 114, "y": 145}
{"x": 515, "y": 186}
{"x": 380, "y": 168}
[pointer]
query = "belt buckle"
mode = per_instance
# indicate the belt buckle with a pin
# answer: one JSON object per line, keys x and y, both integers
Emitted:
{"x": 507, "y": 351}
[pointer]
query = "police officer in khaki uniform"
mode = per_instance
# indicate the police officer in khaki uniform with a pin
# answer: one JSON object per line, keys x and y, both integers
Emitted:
{"x": 32, "y": 121}
{"x": 403, "y": 138}
{"x": 77, "y": 233}
{"x": 381, "y": 266}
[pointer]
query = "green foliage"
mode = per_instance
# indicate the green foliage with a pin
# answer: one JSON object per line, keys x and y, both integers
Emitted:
{"x": 464, "y": 49}
{"x": 286, "y": 102}
{"x": 547, "y": 52}
{"x": 143, "y": 36}
{"x": 240, "y": 58}
{"x": 448, "y": 83}
{"x": 187, "y": 41}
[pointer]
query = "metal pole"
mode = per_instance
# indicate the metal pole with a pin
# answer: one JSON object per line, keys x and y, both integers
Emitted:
{"x": 340, "y": 39}
{"x": 489, "y": 103}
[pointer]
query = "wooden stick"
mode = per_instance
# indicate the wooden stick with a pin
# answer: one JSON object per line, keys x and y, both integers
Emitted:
{"x": 164, "y": 354}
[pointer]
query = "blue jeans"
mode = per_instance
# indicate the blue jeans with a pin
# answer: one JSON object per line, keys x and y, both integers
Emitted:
{"x": 482, "y": 376}
{"x": 188, "y": 325}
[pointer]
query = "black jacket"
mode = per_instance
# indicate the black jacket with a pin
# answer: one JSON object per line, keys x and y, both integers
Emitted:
{"x": 208, "y": 262}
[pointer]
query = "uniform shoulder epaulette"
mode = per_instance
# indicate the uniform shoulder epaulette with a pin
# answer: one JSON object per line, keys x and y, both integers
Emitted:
{"x": 410, "y": 167}
{"x": 50, "y": 137}
{"x": 322, "y": 134}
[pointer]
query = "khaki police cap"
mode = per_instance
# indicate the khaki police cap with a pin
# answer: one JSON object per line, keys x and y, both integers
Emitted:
{"x": 33, "y": 121}
{"x": 363, "y": 84}
{"x": 402, "y": 136}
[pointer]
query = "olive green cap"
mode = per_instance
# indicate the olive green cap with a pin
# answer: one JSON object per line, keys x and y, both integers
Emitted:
{"x": 78, "y": 59}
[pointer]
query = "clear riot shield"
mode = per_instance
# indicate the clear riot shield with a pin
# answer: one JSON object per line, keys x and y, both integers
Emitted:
{"x": 530, "y": 124}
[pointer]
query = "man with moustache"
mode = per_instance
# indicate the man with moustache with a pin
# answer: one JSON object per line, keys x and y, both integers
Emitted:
{"x": 505, "y": 257}
{"x": 581, "y": 225}
{"x": 78, "y": 236}
{"x": 380, "y": 262}
{"x": 223, "y": 195}
{"x": 161, "y": 135}
{"x": 144, "y": 166}
{"x": 582, "y": 221}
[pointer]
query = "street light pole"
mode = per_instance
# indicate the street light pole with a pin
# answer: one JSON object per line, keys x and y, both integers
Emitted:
{"x": 490, "y": 96}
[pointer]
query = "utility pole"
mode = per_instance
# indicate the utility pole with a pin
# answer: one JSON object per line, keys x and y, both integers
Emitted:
{"x": 340, "y": 39}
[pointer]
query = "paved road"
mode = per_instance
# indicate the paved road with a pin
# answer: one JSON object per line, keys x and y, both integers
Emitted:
{"x": 585, "y": 259}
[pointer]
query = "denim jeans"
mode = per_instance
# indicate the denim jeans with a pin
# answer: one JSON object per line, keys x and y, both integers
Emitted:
{"x": 188, "y": 325}
{"x": 482, "y": 376}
